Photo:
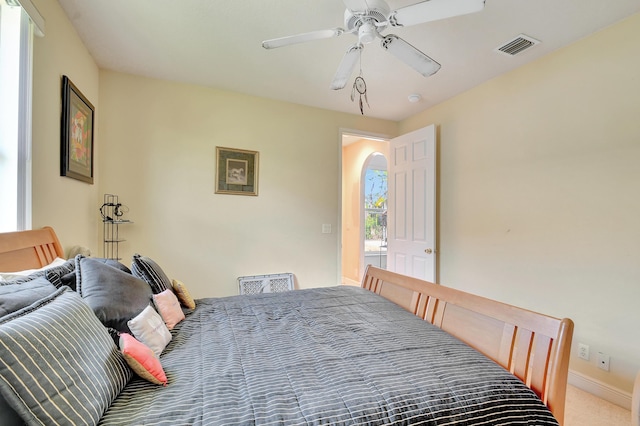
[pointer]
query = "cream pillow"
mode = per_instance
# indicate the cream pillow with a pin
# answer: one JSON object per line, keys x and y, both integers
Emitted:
{"x": 149, "y": 328}
{"x": 169, "y": 307}
{"x": 183, "y": 294}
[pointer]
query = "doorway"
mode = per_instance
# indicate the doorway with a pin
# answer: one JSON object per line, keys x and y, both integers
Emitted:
{"x": 357, "y": 154}
{"x": 411, "y": 234}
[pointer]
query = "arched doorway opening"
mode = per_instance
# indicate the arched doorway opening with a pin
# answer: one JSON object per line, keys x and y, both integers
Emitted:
{"x": 357, "y": 153}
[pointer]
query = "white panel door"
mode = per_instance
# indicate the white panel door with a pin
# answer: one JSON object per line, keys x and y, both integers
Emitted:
{"x": 411, "y": 221}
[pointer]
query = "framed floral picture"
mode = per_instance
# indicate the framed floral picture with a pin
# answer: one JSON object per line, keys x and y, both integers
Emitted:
{"x": 237, "y": 171}
{"x": 76, "y": 145}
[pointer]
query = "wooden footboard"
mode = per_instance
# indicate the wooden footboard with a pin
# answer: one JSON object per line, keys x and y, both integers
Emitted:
{"x": 532, "y": 346}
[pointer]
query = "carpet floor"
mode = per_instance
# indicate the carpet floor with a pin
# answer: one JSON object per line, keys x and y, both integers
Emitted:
{"x": 585, "y": 409}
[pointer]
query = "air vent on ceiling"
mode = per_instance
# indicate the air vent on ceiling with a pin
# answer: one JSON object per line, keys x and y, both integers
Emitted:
{"x": 517, "y": 45}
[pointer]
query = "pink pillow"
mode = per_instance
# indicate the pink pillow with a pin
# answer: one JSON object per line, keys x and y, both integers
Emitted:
{"x": 142, "y": 360}
{"x": 169, "y": 307}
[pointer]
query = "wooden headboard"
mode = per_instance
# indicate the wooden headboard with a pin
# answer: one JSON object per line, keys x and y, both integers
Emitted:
{"x": 28, "y": 249}
{"x": 532, "y": 346}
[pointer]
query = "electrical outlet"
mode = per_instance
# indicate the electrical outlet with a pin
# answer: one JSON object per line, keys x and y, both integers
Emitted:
{"x": 603, "y": 361}
{"x": 583, "y": 351}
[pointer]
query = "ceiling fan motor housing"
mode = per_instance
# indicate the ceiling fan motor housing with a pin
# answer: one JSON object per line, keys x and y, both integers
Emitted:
{"x": 377, "y": 13}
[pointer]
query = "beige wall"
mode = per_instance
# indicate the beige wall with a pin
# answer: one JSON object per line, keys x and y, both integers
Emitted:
{"x": 158, "y": 154}
{"x": 540, "y": 192}
{"x": 354, "y": 157}
{"x": 69, "y": 205}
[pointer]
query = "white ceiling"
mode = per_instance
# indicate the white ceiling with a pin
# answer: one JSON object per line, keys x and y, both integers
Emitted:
{"x": 217, "y": 43}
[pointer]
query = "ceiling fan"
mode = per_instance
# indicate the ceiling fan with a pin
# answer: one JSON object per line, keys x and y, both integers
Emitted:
{"x": 369, "y": 18}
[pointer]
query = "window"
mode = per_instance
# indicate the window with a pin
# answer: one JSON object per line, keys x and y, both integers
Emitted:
{"x": 19, "y": 20}
{"x": 375, "y": 211}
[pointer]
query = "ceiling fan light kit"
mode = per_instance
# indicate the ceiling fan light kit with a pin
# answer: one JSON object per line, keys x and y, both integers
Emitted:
{"x": 367, "y": 33}
{"x": 369, "y": 18}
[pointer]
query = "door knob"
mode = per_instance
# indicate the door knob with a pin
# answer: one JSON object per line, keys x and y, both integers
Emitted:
{"x": 428, "y": 251}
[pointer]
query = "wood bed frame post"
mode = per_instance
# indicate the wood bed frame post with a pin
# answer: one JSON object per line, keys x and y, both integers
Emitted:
{"x": 532, "y": 346}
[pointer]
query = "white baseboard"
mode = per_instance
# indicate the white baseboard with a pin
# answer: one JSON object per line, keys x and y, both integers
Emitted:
{"x": 600, "y": 389}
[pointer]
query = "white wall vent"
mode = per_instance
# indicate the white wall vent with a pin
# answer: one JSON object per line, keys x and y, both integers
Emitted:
{"x": 517, "y": 45}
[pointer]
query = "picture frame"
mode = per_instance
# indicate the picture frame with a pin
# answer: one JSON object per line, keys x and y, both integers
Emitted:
{"x": 76, "y": 135}
{"x": 236, "y": 171}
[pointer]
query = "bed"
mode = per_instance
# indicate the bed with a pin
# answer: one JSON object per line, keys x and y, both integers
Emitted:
{"x": 397, "y": 350}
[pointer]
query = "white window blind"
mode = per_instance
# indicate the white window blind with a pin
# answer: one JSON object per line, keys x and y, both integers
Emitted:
{"x": 19, "y": 21}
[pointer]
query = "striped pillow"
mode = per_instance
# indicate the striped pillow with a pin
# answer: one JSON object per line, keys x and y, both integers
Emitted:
{"x": 59, "y": 365}
{"x": 55, "y": 274}
{"x": 145, "y": 268}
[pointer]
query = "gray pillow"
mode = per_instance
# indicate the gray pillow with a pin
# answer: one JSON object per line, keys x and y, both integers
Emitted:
{"x": 66, "y": 274}
{"x": 79, "y": 369}
{"x": 115, "y": 264}
{"x": 8, "y": 416}
{"x": 114, "y": 295}
{"x": 54, "y": 274}
{"x": 148, "y": 270}
{"x": 14, "y": 297}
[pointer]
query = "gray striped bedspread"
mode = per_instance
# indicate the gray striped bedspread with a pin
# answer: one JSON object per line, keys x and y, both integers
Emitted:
{"x": 331, "y": 356}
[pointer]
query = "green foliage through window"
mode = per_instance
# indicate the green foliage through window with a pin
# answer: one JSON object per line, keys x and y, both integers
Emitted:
{"x": 375, "y": 204}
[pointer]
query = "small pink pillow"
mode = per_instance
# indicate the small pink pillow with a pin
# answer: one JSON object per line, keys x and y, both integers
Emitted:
{"x": 169, "y": 307}
{"x": 142, "y": 360}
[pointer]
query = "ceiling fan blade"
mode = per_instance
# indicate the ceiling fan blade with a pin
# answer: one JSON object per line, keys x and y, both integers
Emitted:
{"x": 433, "y": 10}
{"x": 345, "y": 69}
{"x": 302, "y": 38}
{"x": 410, "y": 55}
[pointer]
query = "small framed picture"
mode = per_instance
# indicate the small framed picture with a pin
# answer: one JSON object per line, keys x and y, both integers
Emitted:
{"x": 237, "y": 171}
{"x": 76, "y": 145}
